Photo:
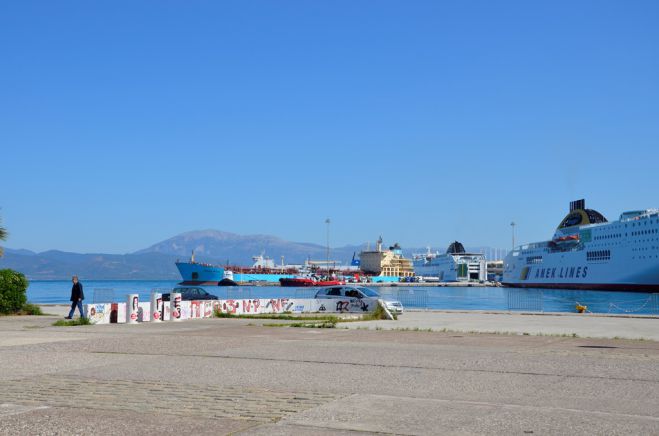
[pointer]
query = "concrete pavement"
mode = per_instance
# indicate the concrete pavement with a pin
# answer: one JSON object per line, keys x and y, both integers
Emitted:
{"x": 232, "y": 376}
{"x": 569, "y": 324}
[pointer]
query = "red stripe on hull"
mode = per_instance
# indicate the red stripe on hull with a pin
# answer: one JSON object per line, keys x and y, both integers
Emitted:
{"x": 198, "y": 283}
{"x": 587, "y": 287}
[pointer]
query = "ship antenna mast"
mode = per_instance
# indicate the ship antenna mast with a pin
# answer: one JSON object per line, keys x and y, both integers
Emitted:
{"x": 512, "y": 225}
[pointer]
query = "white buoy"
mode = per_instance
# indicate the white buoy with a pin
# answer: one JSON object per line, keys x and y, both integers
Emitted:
{"x": 175, "y": 305}
{"x": 132, "y": 307}
{"x": 156, "y": 306}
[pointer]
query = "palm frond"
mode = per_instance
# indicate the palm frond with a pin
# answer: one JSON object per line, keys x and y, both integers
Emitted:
{"x": 3, "y": 236}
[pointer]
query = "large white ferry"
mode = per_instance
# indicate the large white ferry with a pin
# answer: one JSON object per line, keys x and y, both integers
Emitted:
{"x": 588, "y": 252}
{"x": 456, "y": 265}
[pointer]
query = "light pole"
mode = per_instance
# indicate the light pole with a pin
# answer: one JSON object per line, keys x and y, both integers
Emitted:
{"x": 327, "y": 221}
{"x": 512, "y": 224}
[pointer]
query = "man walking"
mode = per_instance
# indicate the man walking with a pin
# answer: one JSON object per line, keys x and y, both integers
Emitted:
{"x": 76, "y": 298}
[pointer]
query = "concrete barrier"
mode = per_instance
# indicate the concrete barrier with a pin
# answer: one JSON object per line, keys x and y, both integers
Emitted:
{"x": 132, "y": 308}
{"x": 98, "y": 313}
{"x": 156, "y": 307}
{"x": 177, "y": 310}
{"x": 294, "y": 305}
{"x": 144, "y": 312}
{"x": 175, "y": 306}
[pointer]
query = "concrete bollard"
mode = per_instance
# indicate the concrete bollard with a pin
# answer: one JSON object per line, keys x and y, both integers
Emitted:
{"x": 175, "y": 305}
{"x": 156, "y": 306}
{"x": 132, "y": 307}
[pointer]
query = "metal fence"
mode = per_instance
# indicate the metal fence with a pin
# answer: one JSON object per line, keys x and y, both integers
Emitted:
{"x": 233, "y": 293}
{"x": 247, "y": 293}
{"x": 417, "y": 298}
{"x": 102, "y": 295}
{"x": 654, "y": 303}
{"x": 524, "y": 299}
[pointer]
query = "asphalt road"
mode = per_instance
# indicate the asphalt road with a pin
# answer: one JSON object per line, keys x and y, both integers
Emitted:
{"x": 224, "y": 376}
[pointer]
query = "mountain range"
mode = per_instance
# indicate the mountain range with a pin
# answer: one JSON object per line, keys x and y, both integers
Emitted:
{"x": 157, "y": 261}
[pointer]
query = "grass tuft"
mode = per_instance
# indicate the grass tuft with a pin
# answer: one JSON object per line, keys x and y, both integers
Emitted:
{"x": 279, "y": 316}
{"x": 71, "y": 322}
{"x": 377, "y": 314}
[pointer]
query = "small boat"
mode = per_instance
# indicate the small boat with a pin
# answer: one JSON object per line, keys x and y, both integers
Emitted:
{"x": 296, "y": 281}
{"x": 567, "y": 239}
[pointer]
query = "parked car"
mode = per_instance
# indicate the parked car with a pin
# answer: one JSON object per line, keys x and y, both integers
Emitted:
{"x": 191, "y": 293}
{"x": 359, "y": 292}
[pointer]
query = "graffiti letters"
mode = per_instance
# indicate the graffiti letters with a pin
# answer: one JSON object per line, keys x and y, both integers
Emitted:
{"x": 230, "y": 306}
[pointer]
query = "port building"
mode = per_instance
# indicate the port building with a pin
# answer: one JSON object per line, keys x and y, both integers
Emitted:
{"x": 389, "y": 262}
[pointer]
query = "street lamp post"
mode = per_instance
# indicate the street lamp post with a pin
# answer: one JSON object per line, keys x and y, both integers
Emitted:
{"x": 327, "y": 221}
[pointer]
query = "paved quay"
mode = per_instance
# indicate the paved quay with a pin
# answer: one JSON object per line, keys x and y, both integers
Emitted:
{"x": 236, "y": 376}
{"x": 555, "y": 324}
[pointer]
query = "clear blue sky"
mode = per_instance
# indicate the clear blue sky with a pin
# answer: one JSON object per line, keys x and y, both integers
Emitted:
{"x": 123, "y": 123}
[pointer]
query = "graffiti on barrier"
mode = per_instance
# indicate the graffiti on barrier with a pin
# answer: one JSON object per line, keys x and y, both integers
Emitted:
{"x": 278, "y": 305}
{"x": 251, "y": 306}
{"x": 230, "y": 306}
{"x": 117, "y": 312}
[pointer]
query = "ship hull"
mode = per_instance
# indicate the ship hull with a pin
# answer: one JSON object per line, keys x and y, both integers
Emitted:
{"x": 304, "y": 282}
{"x": 613, "y": 256}
{"x": 197, "y": 274}
{"x": 588, "y": 286}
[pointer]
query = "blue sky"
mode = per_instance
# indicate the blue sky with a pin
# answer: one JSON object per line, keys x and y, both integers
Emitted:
{"x": 125, "y": 123}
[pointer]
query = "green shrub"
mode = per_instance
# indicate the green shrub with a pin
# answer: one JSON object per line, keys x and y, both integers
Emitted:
{"x": 12, "y": 291}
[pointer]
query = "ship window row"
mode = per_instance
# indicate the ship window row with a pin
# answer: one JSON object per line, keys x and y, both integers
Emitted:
{"x": 533, "y": 259}
{"x": 615, "y": 235}
{"x": 644, "y": 223}
{"x": 645, "y": 232}
{"x": 598, "y": 255}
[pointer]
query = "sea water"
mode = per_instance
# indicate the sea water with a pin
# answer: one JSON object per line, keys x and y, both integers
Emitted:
{"x": 417, "y": 297}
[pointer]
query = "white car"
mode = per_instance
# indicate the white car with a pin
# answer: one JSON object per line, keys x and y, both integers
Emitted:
{"x": 359, "y": 292}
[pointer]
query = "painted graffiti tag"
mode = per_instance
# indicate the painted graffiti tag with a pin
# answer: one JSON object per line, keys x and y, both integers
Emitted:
{"x": 231, "y": 306}
{"x": 251, "y": 306}
{"x": 278, "y": 305}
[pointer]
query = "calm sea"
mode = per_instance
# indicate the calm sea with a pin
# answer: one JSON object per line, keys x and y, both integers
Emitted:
{"x": 452, "y": 298}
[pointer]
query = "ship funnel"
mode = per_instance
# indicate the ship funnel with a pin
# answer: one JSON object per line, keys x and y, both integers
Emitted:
{"x": 577, "y": 204}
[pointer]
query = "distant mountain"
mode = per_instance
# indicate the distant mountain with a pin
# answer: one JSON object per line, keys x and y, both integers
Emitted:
{"x": 59, "y": 265}
{"x": 224, "y": 247}
{"x": 157, "y": 261}
{"x": 20, "y": 251}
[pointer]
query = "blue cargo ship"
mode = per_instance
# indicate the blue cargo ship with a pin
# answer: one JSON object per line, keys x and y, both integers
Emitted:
{"x": 204, "y": 274}
{"x": 194, "y": 273}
